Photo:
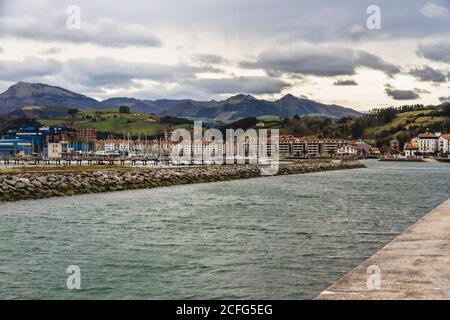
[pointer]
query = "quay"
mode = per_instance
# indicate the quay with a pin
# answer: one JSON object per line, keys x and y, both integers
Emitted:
{"x": 413, "y": 266}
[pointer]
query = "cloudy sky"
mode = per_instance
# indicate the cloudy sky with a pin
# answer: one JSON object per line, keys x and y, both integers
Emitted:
{"x": 210, "y": 49}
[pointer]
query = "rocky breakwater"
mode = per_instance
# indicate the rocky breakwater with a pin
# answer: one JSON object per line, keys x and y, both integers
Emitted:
{"x": 37, "y": 185}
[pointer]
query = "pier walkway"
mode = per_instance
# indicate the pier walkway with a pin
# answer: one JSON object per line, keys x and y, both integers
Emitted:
{"x": 415, "y": 265}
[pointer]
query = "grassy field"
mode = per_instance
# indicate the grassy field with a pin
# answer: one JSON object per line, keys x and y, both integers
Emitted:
{"x": 406, "y": 120}
{"x": 112, "y": 121}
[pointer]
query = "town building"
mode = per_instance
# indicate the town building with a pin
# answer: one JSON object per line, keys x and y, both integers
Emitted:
{"x": 444, "y": 144}
{"x": 15, "y": 147}
{"x": 86, "y": 134}
{"x": 347, "y": 150}
{"x": 58, "y": 150}
{"x": 428, "y": 143}
{"x": 411, "y": 150}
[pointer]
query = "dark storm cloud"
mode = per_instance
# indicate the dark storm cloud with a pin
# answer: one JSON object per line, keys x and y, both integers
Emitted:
{"x": 436, "y": 51}
{"x": 283, "y": 20}
{"x": 444, "y": 99}
{"x": 428, "y": 74}
{"x": 105, "y": 72}
{"x": 317, "y": 21}
{"x": 401, "y": 94}
{"x": 308, "y": 59}
{"x": 347, "y": 82}
{"x": 28, "y": 68}
{"x": 103, "y": 31}
{"x": 372, "y": 61}
{"x": 251, "y": 85}
{"x": 100, "y": 71}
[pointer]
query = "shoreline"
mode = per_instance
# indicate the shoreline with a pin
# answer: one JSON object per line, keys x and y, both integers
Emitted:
{"x": 39, "y": 185}
{"x": 414, "y": 265}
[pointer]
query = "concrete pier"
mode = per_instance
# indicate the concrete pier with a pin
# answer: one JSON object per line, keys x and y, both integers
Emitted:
{"x": 415, "y": 265}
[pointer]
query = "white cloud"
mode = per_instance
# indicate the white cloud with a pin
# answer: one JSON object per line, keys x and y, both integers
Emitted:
{"x": 432, "y": 10}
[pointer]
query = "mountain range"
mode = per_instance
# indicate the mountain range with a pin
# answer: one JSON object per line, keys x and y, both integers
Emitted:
{"x": 40, "y": 100}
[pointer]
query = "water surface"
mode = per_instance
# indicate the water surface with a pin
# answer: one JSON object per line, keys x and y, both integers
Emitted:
{"x": 286, "y": 237}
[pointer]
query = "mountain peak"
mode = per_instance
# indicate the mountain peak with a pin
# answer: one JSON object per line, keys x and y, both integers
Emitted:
{"x": 26, "y": 93}
{"x": 288, "y": 98}
{"x": 235, "y": 107}
{"x": 240, "y": 97}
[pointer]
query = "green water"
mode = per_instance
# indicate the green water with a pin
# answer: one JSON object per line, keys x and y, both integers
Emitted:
{"x": 286, "y": 237}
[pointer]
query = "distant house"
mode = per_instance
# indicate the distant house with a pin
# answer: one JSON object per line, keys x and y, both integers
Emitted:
{"x": 428, "y": 143}
{"x": 444, "y": 143}
{"x": 347, "y": 150}
{"x": 411, "y": 150}
{"x": 57, "y": 150}
{"x": 363, "y": 148}
{"x": 374, "y": 151}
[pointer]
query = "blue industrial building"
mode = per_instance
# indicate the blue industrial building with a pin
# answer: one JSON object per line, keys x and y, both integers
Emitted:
{"x": 14, "y": 147}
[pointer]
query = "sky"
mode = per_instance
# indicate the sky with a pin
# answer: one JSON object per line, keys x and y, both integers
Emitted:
{"x": 335, "y": 52}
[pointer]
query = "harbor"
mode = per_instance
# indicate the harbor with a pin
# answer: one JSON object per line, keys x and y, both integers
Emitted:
{"x": 279, "y": 237}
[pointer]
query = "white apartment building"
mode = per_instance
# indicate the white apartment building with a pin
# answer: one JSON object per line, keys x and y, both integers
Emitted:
{"x": 57, "y": 150}
{"x": 444, "y": 143}
{"x": 312, "y": 148}
{"x": 111, "y": 146}
{"x": 428, "y": 143}
{"x": 347, "y": 150}
{"x": 298, "y": 147}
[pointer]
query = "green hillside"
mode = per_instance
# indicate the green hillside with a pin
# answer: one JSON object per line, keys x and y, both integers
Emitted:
{"x": 377, "y": 127}
{"x": 412, "y": 120}
{"x": 112, "y": 121}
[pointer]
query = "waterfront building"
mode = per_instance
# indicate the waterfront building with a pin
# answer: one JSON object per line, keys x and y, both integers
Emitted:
{"x": 347, "y": 150}
{"x": 58, "y": 150}
{"x": 15, "y": 147}
{"x": 428, "y": 143}
{"x": 312, "y": 148}
{"x": 444, "y": 144}
{"x": 113, "y": 146}
{"x": 298, "y": 147}
{"x": 86, "y": 134}
{"x": 363, "y": 148}
{"x": 329, "y": 147}
{"x": 374, "y": 151}
{"x": 411, "y": 150}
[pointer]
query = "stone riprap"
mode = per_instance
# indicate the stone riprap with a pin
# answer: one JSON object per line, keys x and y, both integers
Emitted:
{"x": 24, "y": 186}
